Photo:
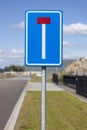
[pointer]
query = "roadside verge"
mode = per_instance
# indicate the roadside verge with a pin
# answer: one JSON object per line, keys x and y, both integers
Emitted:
{"x": 28, "y": 87}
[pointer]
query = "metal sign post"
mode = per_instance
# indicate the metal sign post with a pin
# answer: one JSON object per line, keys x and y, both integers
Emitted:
{"x": 43, "y": 115}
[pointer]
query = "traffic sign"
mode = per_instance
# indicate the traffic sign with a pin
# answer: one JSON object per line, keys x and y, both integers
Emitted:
{"x": 43, "y": 38}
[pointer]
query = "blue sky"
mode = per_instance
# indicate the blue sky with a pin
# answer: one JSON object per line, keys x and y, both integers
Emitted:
{"x": 12, "y": 18}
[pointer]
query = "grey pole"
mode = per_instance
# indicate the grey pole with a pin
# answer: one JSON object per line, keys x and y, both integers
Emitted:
{"x": 43, "y": 98}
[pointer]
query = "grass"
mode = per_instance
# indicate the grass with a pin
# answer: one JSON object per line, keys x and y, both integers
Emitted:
{"x": 35, "y": 78}
{"x": 64, "y": 112}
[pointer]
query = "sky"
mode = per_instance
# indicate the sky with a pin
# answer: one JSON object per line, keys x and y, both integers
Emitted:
{"x": 12, "y": 19}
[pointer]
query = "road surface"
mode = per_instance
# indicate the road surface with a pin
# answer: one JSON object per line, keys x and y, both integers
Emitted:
{"x": 10, "y": 91}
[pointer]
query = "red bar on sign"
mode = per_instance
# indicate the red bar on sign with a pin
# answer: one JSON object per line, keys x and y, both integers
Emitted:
{"x": 43, "y": 20}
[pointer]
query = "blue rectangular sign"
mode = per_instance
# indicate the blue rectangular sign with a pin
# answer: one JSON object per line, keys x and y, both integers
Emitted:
{"x": 43, "y": 38}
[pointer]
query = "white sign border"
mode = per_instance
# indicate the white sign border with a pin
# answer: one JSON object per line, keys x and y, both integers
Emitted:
{"x": 26, "y": 43}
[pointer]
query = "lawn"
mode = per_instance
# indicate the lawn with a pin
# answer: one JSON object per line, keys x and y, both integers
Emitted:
{"x": 63, "y": 112}
{"x": 35, "y": 78}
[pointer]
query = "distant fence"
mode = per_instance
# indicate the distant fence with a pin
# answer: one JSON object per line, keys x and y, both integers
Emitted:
{"x": 81, "y": 85}
{"x": 77, "y": 82}
{"x": 69, "y": 80}
{"x": 55, "y": 78}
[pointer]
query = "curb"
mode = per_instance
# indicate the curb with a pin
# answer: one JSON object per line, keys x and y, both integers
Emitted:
{"x": 14, "y": 115}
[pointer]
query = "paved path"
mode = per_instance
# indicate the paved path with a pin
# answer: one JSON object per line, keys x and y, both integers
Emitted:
{"x": 10, "y": 91}
{"x": 37, "y": 87}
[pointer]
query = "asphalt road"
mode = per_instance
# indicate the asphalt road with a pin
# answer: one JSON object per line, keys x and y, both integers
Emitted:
{"x": 10, "y": 91}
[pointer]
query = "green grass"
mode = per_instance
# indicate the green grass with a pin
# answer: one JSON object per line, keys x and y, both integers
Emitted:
{"x": 64, "y": 112}
{"x": 35, "y": 78}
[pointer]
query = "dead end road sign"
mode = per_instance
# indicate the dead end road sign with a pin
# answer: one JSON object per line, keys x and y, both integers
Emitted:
{"x": 43, "y": 45}
{"x": 43, "y": 38}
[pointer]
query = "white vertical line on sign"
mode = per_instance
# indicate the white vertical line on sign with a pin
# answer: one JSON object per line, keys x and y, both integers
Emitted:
{"x": 43, "y": 41}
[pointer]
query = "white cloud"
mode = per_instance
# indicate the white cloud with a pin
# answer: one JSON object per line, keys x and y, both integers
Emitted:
{"x": 13, "y": 56}
{"x": 2, "y": 54}
{"x": 65, "y": 56}
{"x": 13, "y": 53}
{"x": 77, "y": 28}
{"x": 17, "y": 52}
{"x": 19, "y": 25}
{"x": 1, "y": 51}
{"x": 1, "y": 60}
{"x": 67, "y": 44}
